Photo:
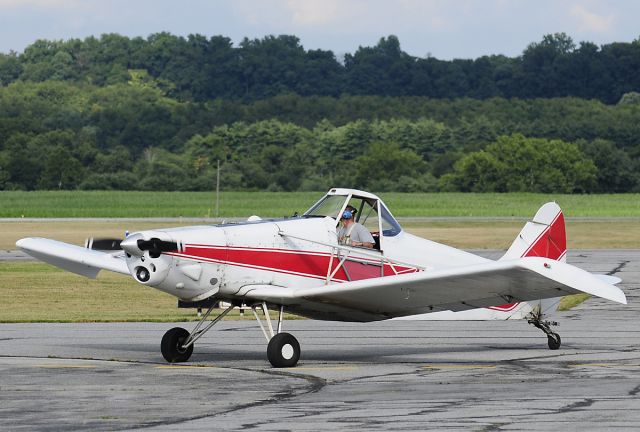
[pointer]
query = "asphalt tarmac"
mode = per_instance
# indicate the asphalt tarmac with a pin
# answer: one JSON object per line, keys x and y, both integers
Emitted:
{"x": 394, "y": 375}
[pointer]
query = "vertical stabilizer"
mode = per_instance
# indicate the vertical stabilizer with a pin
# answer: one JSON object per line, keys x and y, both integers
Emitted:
{"x": 544, "y": 236}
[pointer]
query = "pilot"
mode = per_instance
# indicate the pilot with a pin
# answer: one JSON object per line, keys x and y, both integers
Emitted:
{"x": 352, "y": 233}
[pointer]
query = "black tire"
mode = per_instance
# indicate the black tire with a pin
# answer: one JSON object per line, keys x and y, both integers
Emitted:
{"x": 171, "y": 346}
{"x": 283, "y": 350}
{"x": 554, "y": 341}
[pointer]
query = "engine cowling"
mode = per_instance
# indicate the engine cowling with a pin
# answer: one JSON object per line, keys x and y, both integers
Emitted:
{"x": 156, "y": 259}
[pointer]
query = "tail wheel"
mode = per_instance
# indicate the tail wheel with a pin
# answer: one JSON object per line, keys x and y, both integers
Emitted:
{"x": 283, "y": 350}
{"x": 171, "y": 346}
{"x": 554, "y": 341}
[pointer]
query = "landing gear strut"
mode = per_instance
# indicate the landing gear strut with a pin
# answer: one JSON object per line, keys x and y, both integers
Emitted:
{"x": 177, "y": 343}
{"x": 553, "y": 339}
{"x": 283, "y": 350}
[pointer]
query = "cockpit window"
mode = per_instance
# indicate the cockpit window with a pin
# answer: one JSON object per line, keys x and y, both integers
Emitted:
{"x": 366, "y": 213}
{"x": 330, "y": 205}
{"x": 390, "y": 227}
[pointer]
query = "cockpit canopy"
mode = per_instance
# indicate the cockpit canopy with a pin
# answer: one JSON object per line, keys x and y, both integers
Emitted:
{"x": 371, "y": 211}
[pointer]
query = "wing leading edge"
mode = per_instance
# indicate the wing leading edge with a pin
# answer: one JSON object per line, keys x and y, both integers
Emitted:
{"x": 76, "y": 259}
{"x": 457, "y": 289}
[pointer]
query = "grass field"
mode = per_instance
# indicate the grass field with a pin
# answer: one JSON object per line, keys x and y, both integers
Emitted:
{"x": 75, "y": 204}
{"x": 37, "y": 292}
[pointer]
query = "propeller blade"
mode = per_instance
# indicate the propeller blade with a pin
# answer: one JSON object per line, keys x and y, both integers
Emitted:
{"x": 156, "y": 246}
{"x": 103, "y": 244}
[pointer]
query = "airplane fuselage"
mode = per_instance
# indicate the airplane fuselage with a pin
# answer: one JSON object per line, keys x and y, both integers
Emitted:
{"x": 224, "y": 260}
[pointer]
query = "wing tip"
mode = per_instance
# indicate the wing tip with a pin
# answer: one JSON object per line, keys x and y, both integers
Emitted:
{"x": 622, "y": 298}
{"x": 23, "y": 243}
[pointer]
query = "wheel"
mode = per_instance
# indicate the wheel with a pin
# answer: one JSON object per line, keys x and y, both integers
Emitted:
{"x": 171, "y": 346}
{"x": 283, "y": 350}
{"x": 554, "y": 341}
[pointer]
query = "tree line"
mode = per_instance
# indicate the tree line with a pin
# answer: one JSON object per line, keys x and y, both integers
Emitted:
{"x": 197, "y": 68}
{"x": 136, "y": 136}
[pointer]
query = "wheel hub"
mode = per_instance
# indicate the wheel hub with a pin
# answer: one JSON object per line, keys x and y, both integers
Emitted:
{"x": 287, "y": 351}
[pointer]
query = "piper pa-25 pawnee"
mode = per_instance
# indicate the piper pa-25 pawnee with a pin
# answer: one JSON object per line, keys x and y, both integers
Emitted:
{"x": 298, "y": 264}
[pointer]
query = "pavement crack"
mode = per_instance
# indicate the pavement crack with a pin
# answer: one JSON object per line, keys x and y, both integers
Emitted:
{"x": 618, "y": 269}
{"x": 494, "y": 427}
{"x": 576, "y": 405}
{"x": 315, "y": 385}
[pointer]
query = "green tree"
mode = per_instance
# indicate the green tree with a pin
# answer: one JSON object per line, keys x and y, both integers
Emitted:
{"x": 271, "y": 65}
{"x": 60, "y": 170}
{"x": 540, "y": 62}
{"x": 10, "y": 68}
{"x": 385, "y": 166}
{"x": 4, "y": 171}
{"x": 518, "y": 164}
{"x": 616, "y": 171}
{"x": 384, "y": 69}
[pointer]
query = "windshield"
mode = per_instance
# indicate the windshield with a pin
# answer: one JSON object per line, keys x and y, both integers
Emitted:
{"x": 390, "y": 227}
{"x": 366, "y": 213}
{"x": 330, "y": 205}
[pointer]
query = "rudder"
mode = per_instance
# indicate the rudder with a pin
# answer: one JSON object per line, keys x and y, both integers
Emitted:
{"x": 544, "y": 236}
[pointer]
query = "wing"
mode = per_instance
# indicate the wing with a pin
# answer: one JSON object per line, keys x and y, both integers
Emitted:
{"x": 457, "y": 289}
{"x": 76, "y": 259}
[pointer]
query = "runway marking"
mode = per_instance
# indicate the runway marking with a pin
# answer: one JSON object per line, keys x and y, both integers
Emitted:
{"x": 453, "y": 366}
{"x": 53, "y": 366}
{"x": 328, "y": 368}
{"x": 184, "y": 367}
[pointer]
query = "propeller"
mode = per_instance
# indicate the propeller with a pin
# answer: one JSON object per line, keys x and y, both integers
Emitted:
{"x": 155, "y": 246}
{"x": 136, "y": 245}
{"x": 103, "y": 244}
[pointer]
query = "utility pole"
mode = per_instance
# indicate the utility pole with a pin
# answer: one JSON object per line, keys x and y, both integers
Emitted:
{"x": 218, "y": 190}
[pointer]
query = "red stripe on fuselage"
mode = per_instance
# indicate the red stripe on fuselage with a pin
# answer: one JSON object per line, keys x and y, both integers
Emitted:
{"x": 290, "y": 261}
{"x": 505, "y": 307}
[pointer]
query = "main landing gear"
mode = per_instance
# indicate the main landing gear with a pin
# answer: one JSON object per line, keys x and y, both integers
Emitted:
{"x": 553, "y": 339}
{"x": 283, "y": 350}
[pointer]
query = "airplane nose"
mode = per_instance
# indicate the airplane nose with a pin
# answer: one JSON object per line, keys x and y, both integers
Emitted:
{"x": 130, "y": 245}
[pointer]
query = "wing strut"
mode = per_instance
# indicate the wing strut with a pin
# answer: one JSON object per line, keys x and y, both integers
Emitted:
{"x": 343, "y": 252}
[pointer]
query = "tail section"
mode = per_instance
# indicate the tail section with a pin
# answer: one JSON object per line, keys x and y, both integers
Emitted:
{"x": 544, "y": 236}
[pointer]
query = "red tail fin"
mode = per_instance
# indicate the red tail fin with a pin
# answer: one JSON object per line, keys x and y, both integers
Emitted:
{"x": 552, "y": 242}
{"x": 544, "y": 236}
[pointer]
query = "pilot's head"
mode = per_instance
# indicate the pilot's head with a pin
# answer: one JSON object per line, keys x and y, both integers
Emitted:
{"x": 348, "y": 213}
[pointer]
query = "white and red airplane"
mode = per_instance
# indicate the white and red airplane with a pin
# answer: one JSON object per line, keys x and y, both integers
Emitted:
{"x": 297, "y": 264}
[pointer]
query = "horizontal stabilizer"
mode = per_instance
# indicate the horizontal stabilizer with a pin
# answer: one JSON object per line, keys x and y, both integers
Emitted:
{"x": 76, "y": 259}
{"x": 611, "y": 280}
